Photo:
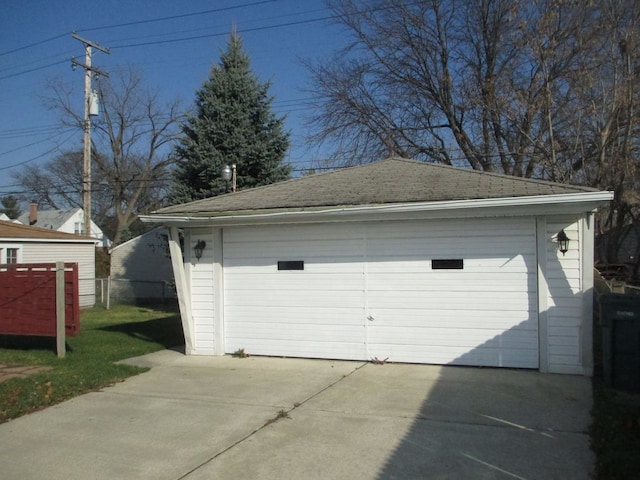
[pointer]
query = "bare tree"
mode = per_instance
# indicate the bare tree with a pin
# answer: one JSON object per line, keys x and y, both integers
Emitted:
{"x": 130, "y": 148}
{"x": 475, "y": 83}
{"x": 542, "y": 88}
{"x": 608, "y": 139}
{"x": 57, "y": 184}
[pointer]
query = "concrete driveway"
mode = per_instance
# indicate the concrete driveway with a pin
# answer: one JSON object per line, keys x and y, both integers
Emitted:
{"x": 272, "y": 418}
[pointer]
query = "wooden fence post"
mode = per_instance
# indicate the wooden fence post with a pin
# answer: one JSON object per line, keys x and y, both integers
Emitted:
{"x": 60, "y": 310}
{"x": 108, "y": 292}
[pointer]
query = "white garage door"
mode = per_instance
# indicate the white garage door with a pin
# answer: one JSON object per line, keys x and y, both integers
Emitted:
{"x": 445, "y": 292}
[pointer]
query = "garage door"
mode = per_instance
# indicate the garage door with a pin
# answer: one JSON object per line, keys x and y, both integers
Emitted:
{"x": 444, "y": 292}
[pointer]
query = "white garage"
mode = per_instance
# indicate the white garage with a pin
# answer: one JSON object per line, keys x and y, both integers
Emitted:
{"x": 440, "y": 265}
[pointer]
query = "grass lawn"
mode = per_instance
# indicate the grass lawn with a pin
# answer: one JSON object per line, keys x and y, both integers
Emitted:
{"x": 106, "y": 336}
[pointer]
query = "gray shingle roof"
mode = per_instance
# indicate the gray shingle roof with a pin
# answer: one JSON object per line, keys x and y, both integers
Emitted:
{"x": 52, "y": 219}
{"x": 390, "y": 181}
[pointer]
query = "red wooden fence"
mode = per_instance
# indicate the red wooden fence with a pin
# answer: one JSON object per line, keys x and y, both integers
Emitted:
{"x": 28, "y": 299}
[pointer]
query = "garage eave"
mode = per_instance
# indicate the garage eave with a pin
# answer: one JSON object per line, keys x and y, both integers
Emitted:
{"x": 541, "y": 204}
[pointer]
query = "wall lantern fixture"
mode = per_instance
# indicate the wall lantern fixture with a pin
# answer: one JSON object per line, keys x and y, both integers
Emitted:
{"x": 199, "y": 248}
{"x": 229, "y": 173}
{"x": 563, "y": 242}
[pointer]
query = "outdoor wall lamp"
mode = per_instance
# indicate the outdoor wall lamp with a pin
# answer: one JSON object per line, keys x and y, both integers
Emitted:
{"x": 229, "y": 173}
{"x": 563, "y": 242}
{"x": 199, "y": 248}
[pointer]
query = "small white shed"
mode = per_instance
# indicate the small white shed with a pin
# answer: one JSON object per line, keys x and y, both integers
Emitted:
{"x": 24, "y": 244}
{"x": 398, "y": 260}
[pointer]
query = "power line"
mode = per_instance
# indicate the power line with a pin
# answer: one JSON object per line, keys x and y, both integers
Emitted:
{"x": 27, "y": 132}
{"x": 173, "y": 17}
{"x": 211, "y": 35}
{"x": 39, "y": 156}
{"x": 35, "y": 44}
{"x": 34, "y": 69}
{"x": 138, "y": 22}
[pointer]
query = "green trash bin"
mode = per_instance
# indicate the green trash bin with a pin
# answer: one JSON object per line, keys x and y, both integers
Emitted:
{"x": 620, "y": 320}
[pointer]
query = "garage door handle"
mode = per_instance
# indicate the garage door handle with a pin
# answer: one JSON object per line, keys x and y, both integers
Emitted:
{"x": 370, "y": 318}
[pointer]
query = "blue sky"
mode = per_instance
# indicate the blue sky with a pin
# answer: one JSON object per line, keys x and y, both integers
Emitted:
{"x": 156, "y": 36}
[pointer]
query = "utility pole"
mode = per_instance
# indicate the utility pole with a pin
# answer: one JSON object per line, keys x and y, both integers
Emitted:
{"x": 90, "y": 108}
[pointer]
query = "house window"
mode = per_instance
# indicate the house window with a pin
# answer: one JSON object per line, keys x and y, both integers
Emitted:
{"x": 78, "y": 228}
{"x": 9, "y": 255}
{"x": 291, "y": 265}
{"x": 447, "y": 264}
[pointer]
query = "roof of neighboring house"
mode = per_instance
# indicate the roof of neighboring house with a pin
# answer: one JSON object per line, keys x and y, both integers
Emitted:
{"x": 391, "y": 181}
{"x": 52, "y": 219}
{"x": 17, "y": 231}
{"x": 138, "y": 238}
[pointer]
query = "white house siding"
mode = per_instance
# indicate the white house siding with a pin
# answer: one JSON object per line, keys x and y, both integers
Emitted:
{"x": 77, "y": 220}
{"x": 202, "y": 287}
{"x": 565, "y": 315}
{"x": 81, "y": 253}
{"x": 368, "y": 290}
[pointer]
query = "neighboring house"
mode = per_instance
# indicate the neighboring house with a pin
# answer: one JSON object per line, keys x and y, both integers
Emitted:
{"x": 141, "y": 268}
{"x": 4, "y": 217}
{"x": 68, "y": 221}
{"x": 24, "y": 244}
{"x": 396, "y": 260}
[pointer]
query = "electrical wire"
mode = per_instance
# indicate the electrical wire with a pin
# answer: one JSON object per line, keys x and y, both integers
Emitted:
{"x": 38, "y": 156}
{"x": 35, "y": 44}
{"x": 173, "y": 17}
{"x": 35, "y": 69}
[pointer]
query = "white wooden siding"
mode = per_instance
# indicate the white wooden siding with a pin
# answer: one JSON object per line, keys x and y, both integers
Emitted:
{"x": 80, "y": 253}
{"x": 202, "y": 291}
{"x": 141, "y": 267}
{"x": 368, "y": 290}
{"x": 564, "y": 300}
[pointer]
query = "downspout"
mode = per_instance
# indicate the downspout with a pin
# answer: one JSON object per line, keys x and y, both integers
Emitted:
{"x": 182, "y": 289}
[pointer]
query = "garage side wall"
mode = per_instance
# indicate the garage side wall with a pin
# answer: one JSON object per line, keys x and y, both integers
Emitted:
{"x": 200, "y": 275}
{"x": 566, "y": 291}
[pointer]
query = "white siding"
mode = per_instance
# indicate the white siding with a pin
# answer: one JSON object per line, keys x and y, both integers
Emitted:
{"x": 82, "y": 254}
{"x": 202, "y": 290}
{"x": 564, "y": 300}
{"x": 141, "y": 267}
{"x": 368, "y": 290}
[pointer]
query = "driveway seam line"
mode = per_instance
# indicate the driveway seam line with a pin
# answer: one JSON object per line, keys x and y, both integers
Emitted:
{"x": 267, "y": 423}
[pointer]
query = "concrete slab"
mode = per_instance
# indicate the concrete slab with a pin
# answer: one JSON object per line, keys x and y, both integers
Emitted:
{"x": 222, "y": 417}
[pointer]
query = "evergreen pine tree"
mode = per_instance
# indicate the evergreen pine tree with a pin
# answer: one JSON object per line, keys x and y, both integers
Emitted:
{"x": 10, "y": 206}
{"x": 232, "y": 123}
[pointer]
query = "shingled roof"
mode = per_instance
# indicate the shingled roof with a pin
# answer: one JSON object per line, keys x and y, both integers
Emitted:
{"x": 11, "y": 230}
{"x": 391, "y": 181}
{"x": 53, "y": 219}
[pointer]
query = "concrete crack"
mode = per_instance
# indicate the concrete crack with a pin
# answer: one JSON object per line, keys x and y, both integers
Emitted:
{"x": 281, "y": 414}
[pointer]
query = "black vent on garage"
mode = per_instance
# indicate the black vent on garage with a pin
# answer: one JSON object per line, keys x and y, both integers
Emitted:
{"x": 447, "y": 264}
{"x": 291, "y": 265}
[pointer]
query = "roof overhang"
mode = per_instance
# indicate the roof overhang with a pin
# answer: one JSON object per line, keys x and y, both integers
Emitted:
{"x": 46, "y": 240}
{"x": 571, "y": 203}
